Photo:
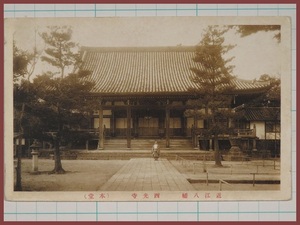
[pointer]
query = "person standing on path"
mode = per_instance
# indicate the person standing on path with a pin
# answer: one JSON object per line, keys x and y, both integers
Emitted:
{"x": 155, "y": 150}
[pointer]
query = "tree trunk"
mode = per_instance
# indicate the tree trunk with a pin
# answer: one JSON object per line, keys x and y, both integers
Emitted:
{"x": 57, "y": 160}
{"x": 18, "y": 169}
{"x": 57, "y": 166}
{"x": 19, "y": 152}
{"x": 217, "y": 152}
{"x": 216, "y": 140}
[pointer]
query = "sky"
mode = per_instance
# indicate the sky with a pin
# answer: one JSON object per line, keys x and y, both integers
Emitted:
{"x": 254, "y": 55}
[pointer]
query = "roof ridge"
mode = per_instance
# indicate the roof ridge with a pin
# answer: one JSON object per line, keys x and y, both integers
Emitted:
{"x": 142, "y": 49}
{"x": 252, "y": 81}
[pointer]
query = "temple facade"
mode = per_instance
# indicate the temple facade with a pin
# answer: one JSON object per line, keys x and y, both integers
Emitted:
{"x": 143, "y": 92}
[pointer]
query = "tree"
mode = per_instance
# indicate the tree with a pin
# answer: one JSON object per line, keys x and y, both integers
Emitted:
{"x": 24, "y": 63}
{"x": 20, "y": 62}
{"x": 62, "y": 97}
{"x": 271, "y": 96}
{"x": 213, "y": 84}
{"x": 60, "y": 51}
{"x": 246, "y": 30}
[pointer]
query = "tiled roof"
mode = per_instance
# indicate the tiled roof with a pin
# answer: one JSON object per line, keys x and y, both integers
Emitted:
{"x": 146, "y": 70}
{"x": 262, "y": 113}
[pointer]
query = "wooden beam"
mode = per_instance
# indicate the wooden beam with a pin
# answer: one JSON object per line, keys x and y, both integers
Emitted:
{"x": 101, "y": 136}
{"x": 195, "y": 128}
{"x": 128, "y": 133}
{"x": 167, "y": 125}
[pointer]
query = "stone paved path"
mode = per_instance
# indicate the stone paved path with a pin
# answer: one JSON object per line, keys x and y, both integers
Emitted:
{"x": 146, "y": 174}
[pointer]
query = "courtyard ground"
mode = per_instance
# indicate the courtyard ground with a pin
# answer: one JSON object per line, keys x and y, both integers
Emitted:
{"x": 91, "y": 175}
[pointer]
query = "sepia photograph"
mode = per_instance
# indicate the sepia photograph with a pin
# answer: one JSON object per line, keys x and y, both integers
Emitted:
{"x": 147, "y": 109}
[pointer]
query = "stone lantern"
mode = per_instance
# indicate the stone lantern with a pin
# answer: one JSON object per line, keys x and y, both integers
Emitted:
{"x": 34, "y": 152}
{"x": 235, "y": 153}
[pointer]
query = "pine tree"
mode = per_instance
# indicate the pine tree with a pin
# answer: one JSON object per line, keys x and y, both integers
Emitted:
{"x": 213, "y": 85}
{"x": 62, "y": 94}
{"x": 24, "y": 63}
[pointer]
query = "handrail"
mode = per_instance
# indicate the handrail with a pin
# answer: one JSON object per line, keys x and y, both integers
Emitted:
{"x": 182, "y": 159}
{"x": 192, "y": 163}
{"x": 224, "y": 182}
{"x": 221, "y": 181}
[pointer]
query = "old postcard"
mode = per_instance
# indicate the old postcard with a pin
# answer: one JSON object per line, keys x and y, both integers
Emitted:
{"x": 148, "y": 109}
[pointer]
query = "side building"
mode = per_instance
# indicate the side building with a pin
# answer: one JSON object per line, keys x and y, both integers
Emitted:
{"x": 263, "y": 125}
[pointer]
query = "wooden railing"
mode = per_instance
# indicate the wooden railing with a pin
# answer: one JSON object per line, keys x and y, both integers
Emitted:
{"x": 161, "y": 132}
{"x": 238, "y": 132}
{"x": 211, "y": 176}
{"x": 245, "y": 132}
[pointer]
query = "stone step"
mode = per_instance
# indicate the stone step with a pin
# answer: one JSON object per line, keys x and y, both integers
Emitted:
{"x": 143, "y": 144}
{"x": 129, "y": 154}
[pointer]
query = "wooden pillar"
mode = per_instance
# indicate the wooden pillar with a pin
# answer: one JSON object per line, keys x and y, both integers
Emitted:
{"x": 128, "y": 133}
{"x": 182, "y": 124}
{"x": 185, "y": 133}
{"x": 199, "y": 143}
{"x": 167, "y": 125}
{"x": 254, "y": 145}
{"x": 112, "y": 123}
{"x": 87, "y": 145}
{"x": 135, "y": 123}
{"x": 195, "y": 129}
{"x": 101, "y": 136}
{"x": 254, "y": 138}
{"x": 161, "y": 124}
{"x": 210, "y": 144}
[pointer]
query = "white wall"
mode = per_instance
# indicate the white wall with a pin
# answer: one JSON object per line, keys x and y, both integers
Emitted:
{"x": 272, "y": 136}
{"x": 106, "y": 122}
{"x": 105, "y": 112}
{"x": 122, "y": 123}
{"x": 200, "y": 124}
{"x": 175, "y": 122}
{"x": 190, "y": 123}
{"x": 260, "y": 128}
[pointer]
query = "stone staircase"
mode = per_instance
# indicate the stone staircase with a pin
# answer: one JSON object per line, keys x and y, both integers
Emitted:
{"x": 146, "y": 144}
{"x": 129, "y": 154}
{"x": 141, "y": 148}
